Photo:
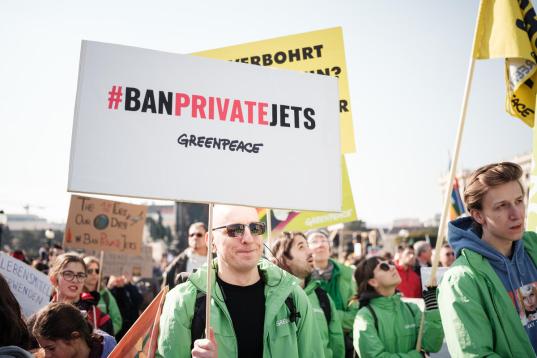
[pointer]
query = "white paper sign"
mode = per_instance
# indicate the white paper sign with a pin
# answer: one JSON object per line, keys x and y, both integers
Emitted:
{"x": 166, "y": 126}
{"x": 426, "y": 275}
{"x": 31, "y": 288}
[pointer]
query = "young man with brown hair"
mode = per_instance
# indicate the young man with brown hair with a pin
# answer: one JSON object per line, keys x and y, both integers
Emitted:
{"x": 479, "y": 297}
{"x": 291, "y": 253}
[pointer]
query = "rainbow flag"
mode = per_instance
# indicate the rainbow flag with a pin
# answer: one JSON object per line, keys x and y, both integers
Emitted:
{"x": 457, "y": 206}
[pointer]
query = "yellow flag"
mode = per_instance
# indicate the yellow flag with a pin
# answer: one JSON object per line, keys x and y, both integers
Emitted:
{"x": 321, "y": 52}
{"x": 508, "y": 29}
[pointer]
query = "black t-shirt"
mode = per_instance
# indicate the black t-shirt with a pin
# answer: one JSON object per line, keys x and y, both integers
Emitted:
{"x": 246, "y": 306}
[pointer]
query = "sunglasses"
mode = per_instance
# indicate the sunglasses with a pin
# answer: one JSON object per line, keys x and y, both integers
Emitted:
{"x": 196, "y": 234}
{"x": 318, "y": 241}
{"x": 91, "y": 271}
{"x": 386, "y": 266}
{"x": 237, "y": 230}
{"x": 70, "y": 276}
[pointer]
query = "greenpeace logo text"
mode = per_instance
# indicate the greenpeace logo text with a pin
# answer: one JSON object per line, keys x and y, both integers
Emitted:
{"x": 281, "y": 322}
{"x": 211, "y": 108}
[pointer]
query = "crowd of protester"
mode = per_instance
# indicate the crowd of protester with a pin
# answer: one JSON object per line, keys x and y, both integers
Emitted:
{"x": 291, "y": 297}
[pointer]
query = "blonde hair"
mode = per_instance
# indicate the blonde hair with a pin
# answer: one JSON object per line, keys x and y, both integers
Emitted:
{"x": 63, "y": 260}
{"x": 88, "y": 260}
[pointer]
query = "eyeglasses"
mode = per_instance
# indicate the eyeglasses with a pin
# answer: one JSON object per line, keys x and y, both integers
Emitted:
{"x": 91, "y": 271}
{"x": 450, "y": 254}
{"x": 317, "y": 242}
{"x": 196, "y": 234}
{"x": 237, "y": 230}
{"x": 70, "y": 276}
{"x": 386, "y": 266}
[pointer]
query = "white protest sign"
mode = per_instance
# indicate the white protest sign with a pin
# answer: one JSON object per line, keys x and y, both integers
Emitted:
{"x": 426, "y": 275}
{"x": 31, "y": 288}
{"x": 146, "y": 120}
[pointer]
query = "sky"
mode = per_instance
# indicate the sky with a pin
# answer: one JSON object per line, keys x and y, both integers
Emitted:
{"x": 407, "y": 63}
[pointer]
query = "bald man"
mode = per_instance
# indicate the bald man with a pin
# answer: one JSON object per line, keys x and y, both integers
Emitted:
{"x": 257, "y": 309}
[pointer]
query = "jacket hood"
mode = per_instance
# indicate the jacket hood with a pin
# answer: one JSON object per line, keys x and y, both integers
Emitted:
{"x": 462, "y": 235}
{"x": 271, "y": 274}
{"x": 311, "y": 285}
{"x": 366, "y": 298}
{"x": 386, "y": 301}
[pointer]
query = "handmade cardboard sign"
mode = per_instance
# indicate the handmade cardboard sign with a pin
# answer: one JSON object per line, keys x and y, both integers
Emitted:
{"x": 99, "y": 224}
{"x": 118, "y": 264}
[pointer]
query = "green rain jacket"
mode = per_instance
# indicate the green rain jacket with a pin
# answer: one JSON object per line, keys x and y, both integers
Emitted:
{"x": 331, "y": 334}
{"x": 478, "y": 315}
{"x": 282, "y": 338}
{"x": 398, "y": 325}
{"x": 342, "y": 288}
{"x": 107, "y": 304}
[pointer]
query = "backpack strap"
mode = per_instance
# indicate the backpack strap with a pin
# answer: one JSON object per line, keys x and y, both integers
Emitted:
{"x": 106, "y": 300}
{"x": 375, "y": 318}
{"x": 324, "y": 302}
{"x": 182, "y": 277}
{"x": 294, "y": 315}
{"x": 197, "y": 328}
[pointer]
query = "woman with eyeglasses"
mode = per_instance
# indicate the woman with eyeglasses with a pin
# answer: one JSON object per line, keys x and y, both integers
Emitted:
{"x": 107, "y": 303}
{"x": 68, "y": 275}
{"x": 385, "y": 325}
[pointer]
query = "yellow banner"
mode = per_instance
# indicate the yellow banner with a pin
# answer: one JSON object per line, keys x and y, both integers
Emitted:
{"x": 320, "y": 52}
{"x": 507, "y": 29}
{"x": 283, "y": 220}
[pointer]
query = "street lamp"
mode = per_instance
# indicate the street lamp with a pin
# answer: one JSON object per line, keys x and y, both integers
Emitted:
{"x": 3, "y": 222}
{"x": 49, "y": 234}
